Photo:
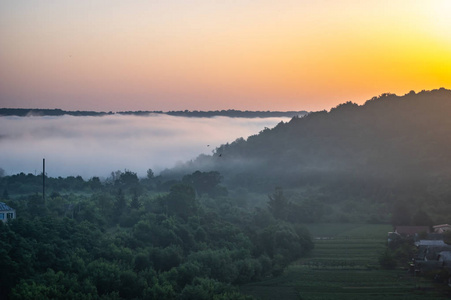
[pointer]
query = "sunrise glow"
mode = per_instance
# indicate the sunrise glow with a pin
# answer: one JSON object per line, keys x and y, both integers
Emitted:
{"x": 265, "y": 55}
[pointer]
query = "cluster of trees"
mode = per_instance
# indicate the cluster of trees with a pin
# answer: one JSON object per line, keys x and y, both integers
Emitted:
{"x": 21, "y": 184}
{"x": 305, "y": 211}
{"x": 129, "y": 238}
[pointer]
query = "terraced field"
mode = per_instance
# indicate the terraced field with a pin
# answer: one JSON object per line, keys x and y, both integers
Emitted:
{"x": 344, "y": 265}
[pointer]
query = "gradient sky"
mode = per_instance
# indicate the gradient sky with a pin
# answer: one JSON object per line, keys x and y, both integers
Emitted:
{"x": 206, "y": 55}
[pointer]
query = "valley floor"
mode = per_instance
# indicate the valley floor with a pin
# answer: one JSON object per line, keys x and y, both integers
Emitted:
{"x": 344, "y": 265}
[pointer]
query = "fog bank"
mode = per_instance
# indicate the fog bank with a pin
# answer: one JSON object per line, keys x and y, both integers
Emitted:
{"x": 96, "y": 146}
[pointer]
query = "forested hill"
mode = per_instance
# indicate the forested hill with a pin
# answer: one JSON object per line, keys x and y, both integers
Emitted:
{"x": 390, "y": 140}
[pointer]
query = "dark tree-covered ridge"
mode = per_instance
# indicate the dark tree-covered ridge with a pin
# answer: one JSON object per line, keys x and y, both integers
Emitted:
{"x": 388, "y": 137}
{"x": 392, "y": 148}
{"x": 232, "y": 113}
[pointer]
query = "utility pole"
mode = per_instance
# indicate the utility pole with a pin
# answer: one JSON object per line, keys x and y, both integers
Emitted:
{"x": 43, "y": 179}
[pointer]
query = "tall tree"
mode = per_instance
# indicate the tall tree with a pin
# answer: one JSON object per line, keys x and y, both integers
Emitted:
{"x": 278, "y": 203}
{"x": 181, "y": 201}
{"x": 120, "y": 204}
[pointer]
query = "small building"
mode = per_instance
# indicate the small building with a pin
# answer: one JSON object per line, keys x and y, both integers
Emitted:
{"x": 445, "y": 258}
{"x": 435, "y": 243}
{"x": 442, "y": 228}
{"x": 6, "y": 212}
{"x": 431, "y": 253}
{"x": 411, "y": 231}
{"x": 402, "y": 233}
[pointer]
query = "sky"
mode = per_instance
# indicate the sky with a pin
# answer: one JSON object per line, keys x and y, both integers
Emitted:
{"x": 114, "y": 55}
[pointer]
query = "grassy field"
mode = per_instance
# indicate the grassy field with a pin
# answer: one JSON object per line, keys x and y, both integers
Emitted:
{"x": 344, "y": 265}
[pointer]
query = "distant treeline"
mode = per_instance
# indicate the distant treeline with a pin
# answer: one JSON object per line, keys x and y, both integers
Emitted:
{"x": 24, "y": 112}
{"x": 232, "y": 113}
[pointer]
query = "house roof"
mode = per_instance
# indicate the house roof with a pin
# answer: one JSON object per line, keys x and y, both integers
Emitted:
{"x": 430, "y": 243}
{"x": 445, "y": 256}
{"x": 411, "y": 230}
{"x": 4, "y": 207}
{"x": 441, "y": 226}
{"x": 431, "y": 252}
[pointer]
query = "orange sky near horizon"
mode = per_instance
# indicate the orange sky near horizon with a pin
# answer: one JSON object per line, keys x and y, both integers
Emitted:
{"x": 207, "y": 55}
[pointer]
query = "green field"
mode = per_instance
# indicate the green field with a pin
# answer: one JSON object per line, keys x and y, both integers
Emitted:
{"x": 344, "y": 265}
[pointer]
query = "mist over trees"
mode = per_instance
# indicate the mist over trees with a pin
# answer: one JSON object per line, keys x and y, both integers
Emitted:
{"x": 390, "y": 149}
{"x": 388, "y": 137}
{"x": 115, "y": 142}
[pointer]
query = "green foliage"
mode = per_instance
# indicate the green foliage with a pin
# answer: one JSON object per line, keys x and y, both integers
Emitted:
{"x": 278, "y": 204}
{"x": 386, "y": 260}
{"x": 120, "y": 204}
{"x": 128, "y": 179}
{"x": 135, "y": 203}
{"x": 5, "y": 194}
{"x": 205, "y": 183}
{"x": 110, "y": 242}
{"x": 203, "y": 289}
{"x": 180, "y": 201}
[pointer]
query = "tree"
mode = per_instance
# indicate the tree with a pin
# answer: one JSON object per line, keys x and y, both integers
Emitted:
{"x": 386, "y": 260}
{"x": 121, "y": 203}
{"x": 95, "y": 183}
{"x": 309, "y": 211}
{"x": 135, "y": 203}
{"x": 150, "y": 174}
{"x": 36, "y": 205}
{"x": 105, "y": 275}
{"x": 131, "y": 286}
{"x": 150, "y": 181}
{"x": 278, "y": 203}
{"x": 115, "y": 175}
{"x": 104, "y": 202}
{"x": 181, "y": 201}
{"x": 203, "y": 182}
{"x": 128, "y": 179}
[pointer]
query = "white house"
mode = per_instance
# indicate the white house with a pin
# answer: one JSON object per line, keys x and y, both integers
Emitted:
{"x": 6, "y": 212}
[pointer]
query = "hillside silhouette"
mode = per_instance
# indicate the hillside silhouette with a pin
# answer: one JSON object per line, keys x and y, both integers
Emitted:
{"x": 390, "y": 144}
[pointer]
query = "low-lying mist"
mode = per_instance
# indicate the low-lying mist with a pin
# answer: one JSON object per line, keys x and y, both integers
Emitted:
{"x": 96, "y": 146}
